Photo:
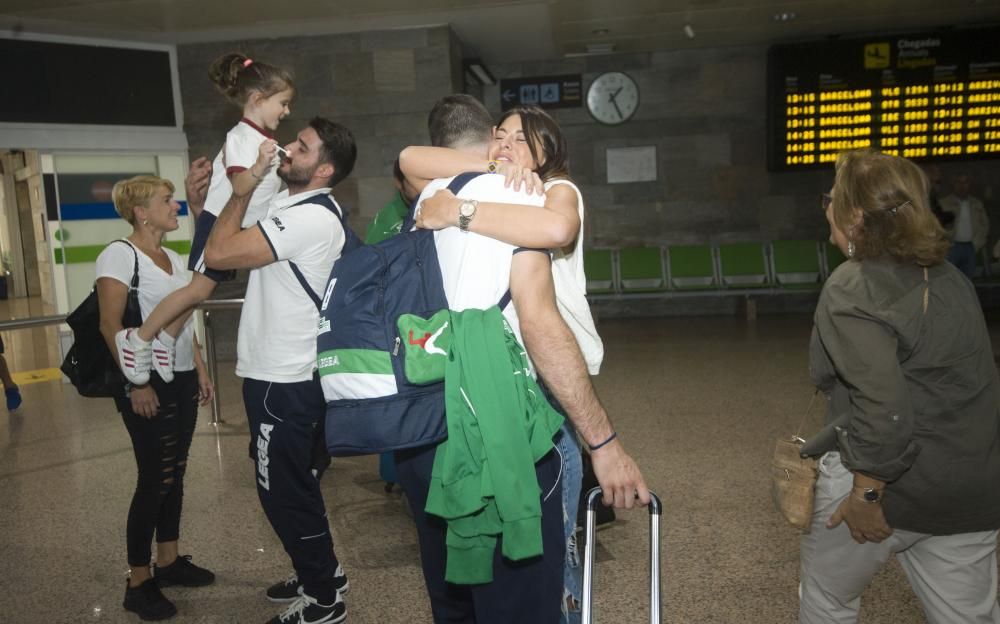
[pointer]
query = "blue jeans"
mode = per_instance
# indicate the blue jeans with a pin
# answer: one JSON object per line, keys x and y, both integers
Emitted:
{"x": 572, "y": 482}
{"x": 963, "y": 256}
{"x": 572, "y": 478}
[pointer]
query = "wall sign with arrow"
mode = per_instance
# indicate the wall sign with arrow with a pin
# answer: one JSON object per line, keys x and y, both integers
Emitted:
{"x": 564, "y": 91}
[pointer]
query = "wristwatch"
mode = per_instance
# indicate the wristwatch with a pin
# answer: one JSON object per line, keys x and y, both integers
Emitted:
{"x": 871, "y": 495}
{"x": 466, "y": 212}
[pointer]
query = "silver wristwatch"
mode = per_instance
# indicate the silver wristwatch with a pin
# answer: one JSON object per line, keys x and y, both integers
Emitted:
{"x": 466, "y": 212}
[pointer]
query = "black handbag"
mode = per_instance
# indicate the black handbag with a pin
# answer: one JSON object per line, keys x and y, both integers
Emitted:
{"x": 90, "y": 366}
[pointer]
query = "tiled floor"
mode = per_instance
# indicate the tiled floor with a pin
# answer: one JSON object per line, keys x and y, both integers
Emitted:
{"x": 698, "y": 402}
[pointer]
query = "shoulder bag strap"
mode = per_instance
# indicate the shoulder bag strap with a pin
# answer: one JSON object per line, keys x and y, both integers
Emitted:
{"x": 135, "y": 266}
{"x": 798, "y": 430}
{"x": 305, "y": 285}
{"x": 327, "y": 202}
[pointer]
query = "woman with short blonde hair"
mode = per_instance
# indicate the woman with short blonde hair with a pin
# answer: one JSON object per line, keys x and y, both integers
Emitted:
{"x": 160, "y": 417}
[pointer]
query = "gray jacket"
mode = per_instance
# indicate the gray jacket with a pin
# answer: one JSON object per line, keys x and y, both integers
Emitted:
{"x": 914, "y": 397}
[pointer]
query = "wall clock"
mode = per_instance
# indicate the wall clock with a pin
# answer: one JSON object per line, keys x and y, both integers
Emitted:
{"x": 613, "y": 98}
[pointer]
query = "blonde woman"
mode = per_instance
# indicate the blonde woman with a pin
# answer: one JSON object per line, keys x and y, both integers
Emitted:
{"x": 160, "y": 417}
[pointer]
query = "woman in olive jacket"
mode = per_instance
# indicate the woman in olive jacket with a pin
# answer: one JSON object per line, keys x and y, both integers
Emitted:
{"x": 910, "y": 460}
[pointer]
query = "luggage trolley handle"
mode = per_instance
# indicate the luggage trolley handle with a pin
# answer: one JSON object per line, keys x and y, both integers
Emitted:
{"x": 655, "y": 509}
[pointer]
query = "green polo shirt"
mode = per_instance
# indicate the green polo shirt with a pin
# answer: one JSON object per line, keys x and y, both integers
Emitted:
{"x": 388, "y": 221}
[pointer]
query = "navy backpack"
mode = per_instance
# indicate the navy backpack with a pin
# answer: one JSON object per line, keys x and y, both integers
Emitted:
{"x": 371, "y": 406}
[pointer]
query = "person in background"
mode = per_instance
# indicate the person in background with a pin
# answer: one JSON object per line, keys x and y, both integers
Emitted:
{"x": 970, "y": 228}
{"x": 160, "y": 416}
{"x": 10, "y": 389}
{"x": 389, "y": 220}
{"x": 933, "y": 173}
{"x": 910, "y": 457}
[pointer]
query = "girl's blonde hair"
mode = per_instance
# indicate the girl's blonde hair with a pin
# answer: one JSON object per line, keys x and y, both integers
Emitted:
{"x": 893, "y": 196}
{"x": 137, "y": 191}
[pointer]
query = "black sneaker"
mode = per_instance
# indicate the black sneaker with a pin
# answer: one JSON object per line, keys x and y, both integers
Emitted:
{"x": 183, "y": 572}
{"x": 288, "y": 590}
{"x": 148, "y": 602}
{"x": 306, "y": 610}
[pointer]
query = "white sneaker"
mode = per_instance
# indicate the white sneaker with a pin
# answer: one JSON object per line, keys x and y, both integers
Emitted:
{"x": 163, "y": 357}
{"x": 134, "y": 359}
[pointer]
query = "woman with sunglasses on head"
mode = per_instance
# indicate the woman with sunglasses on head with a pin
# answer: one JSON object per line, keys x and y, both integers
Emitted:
{"x": 910, "y": 457}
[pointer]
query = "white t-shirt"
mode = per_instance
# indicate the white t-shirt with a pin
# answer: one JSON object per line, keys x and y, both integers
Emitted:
{"x": 571, "y": 292}
{"x": 117, "y": 261}
{"x": 239, "y": 154}
{"x": 475, "y": 269}
{"x": 277, "y": 334}
{"x": 963, "y": 222}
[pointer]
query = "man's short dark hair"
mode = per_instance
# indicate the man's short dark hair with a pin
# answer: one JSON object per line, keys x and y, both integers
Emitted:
{"x": 457, "y": 120}
{"x": 338, "y": 147}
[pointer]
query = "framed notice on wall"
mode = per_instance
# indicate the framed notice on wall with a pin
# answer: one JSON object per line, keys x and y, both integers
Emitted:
{"x": 631, "y": 164}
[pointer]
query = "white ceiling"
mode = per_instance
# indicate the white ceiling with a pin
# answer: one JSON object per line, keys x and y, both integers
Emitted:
{"x": 499, "y": 30}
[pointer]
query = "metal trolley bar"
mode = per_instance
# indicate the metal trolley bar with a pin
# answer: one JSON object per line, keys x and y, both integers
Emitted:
{"x": 655, "y": 510}
{"x": 29, "y": 323}
{"x": 210, "y": 361}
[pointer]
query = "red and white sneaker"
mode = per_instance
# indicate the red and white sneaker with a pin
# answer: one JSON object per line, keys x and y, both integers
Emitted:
{"x": 163, "y": 356}
{"x": 134, "y": 357}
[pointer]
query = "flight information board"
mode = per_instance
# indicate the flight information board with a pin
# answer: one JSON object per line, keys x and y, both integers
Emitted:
{"x": 924, "y": 96}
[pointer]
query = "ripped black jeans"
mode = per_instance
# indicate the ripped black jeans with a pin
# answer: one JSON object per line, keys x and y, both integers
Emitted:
{"x": 161, "y": 448}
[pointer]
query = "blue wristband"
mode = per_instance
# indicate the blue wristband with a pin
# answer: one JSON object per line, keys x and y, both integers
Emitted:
{"x": 594, "y": 447}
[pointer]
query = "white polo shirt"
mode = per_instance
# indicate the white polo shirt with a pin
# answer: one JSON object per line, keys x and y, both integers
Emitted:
{"x": 238, "y": 154}
{"x": 475, "y": 269}
{"x": 277, "y": 334}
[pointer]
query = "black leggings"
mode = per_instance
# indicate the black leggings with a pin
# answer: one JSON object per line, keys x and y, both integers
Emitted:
{"x": 161, "y": 448}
